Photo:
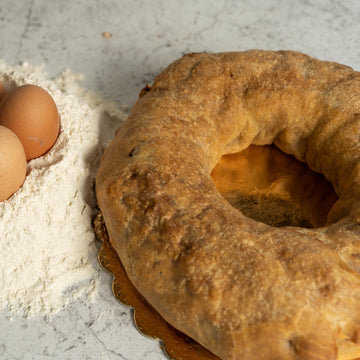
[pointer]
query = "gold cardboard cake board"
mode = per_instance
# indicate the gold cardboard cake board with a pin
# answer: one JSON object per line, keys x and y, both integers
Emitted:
{"x": 272, "y": 187}
{"x": 176, "y": 345}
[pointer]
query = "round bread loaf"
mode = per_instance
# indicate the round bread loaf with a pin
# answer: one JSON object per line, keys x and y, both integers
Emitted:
{"x": 243, "y": 289}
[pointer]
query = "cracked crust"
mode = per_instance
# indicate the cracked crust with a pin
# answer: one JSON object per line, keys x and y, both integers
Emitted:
{"x": 243, "y": 289}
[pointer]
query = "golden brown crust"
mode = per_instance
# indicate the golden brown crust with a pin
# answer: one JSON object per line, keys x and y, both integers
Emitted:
{"x": 243, "y": 289}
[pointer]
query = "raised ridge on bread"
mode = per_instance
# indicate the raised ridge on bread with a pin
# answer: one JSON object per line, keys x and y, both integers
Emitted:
{"x": 243, "y": 289}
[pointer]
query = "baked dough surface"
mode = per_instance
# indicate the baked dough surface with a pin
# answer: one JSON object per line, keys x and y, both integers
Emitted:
{"x": 243, "y": 289}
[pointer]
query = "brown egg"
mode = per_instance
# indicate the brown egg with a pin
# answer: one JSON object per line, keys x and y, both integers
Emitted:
{"x": 31, "y": 113}
{"x": 12, "y": 163}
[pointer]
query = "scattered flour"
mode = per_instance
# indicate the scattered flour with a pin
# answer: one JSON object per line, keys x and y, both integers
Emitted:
{"x": 47, "y": 246}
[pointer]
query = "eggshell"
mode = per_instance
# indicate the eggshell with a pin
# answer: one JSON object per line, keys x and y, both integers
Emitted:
{"x": 31, "y": 113}
{"x": 12, "y": 163}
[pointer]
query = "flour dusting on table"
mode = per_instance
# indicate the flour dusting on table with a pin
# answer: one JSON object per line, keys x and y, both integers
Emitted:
{"x": 47, "y": 244}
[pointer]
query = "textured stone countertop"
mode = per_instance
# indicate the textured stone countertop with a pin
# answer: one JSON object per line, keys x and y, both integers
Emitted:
{"x": 145, "y": 37}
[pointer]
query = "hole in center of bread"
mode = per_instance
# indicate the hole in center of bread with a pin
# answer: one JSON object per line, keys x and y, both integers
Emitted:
{"x": 270, "y": 186}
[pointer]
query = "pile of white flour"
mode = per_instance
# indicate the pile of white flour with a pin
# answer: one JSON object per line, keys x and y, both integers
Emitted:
{"x": 47, "y": 245}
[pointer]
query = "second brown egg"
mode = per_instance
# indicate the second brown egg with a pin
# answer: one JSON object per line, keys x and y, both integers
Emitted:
{"x": 31, "y": 113}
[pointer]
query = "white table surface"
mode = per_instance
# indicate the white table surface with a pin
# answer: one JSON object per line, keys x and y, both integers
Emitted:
{"x": 146, "y": 36}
